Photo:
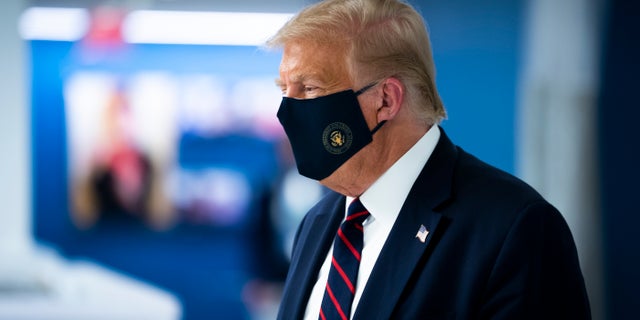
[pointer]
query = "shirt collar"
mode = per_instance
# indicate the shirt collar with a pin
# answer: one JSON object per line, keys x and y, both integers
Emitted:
{"x": 385, "y": 197}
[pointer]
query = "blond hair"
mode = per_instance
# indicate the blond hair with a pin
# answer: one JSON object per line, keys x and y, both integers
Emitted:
{"x": 384, "y": 38}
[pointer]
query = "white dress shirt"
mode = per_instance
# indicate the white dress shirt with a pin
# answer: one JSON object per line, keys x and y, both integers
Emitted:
{"x": 383, "y": 199}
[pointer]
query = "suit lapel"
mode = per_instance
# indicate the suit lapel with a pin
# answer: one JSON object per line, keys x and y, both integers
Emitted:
{"x": 318, "y": 235}
{"x": 403, "y": 250}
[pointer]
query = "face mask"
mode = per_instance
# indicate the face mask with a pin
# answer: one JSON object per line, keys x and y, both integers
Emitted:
{"x": 325, "y": 132}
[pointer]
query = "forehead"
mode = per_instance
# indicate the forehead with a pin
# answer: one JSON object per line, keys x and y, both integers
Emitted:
{"x": 302, "y": 60}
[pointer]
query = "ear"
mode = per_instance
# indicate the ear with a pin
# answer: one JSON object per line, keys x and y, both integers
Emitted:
{"x": 393, "y": 95}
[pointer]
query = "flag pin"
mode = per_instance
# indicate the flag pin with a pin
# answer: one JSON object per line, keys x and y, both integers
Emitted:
{"x": 422, "y": 233}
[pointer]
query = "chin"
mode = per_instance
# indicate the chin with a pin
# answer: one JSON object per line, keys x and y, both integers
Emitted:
{"x": 330, "y": 183}
{"x": 341, "y": 183}
{"x": 349, "y": 178}
{"x": 333, "y": 182}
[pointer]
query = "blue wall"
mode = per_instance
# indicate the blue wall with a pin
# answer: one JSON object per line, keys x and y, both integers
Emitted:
{"x": 476, "y": 47}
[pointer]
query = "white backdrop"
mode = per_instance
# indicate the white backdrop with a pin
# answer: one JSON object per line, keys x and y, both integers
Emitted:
{"x": 557, "y": 132}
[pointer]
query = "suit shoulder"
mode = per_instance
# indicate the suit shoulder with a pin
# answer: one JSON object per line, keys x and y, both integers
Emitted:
{"x": 477, "y": 181}
{"x": 327, "y": 203}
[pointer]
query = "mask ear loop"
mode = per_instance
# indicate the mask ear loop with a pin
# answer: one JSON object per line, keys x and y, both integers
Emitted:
{"x": 361, "y": 91}
{"x": 378, "y": 126}
{"x": 365, "y": 88}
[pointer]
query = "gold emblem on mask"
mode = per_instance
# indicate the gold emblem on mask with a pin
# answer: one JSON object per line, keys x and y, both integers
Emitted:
{"x": 337, "y": 138}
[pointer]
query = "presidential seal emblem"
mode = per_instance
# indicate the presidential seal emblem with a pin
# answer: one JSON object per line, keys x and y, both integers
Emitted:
{"x": 337, "y": 138}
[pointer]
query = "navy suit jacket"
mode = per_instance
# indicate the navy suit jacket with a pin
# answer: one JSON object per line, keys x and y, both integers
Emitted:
{"x": 495, "y": 250}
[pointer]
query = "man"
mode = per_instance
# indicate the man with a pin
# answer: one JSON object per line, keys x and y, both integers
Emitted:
{"x": 444, "y": 235}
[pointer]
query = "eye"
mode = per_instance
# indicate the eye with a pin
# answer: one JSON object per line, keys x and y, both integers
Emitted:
{"x": 310, "y": 89}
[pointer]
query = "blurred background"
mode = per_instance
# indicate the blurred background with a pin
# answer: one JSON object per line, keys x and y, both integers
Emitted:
{"x": 144, "y": 174}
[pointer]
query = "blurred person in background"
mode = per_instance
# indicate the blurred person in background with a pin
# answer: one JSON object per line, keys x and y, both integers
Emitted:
{"x": 117, "y": 184}
{"x": 437, "y": 232}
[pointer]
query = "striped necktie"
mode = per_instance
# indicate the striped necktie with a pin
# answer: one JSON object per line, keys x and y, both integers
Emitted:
{"x": 347, "y": 247}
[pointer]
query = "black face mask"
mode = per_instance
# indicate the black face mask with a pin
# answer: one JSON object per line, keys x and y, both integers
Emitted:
{"x": 325, "y": 132}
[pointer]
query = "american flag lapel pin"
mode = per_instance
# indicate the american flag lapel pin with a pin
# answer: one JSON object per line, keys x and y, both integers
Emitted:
{"x": 422, "y": 233}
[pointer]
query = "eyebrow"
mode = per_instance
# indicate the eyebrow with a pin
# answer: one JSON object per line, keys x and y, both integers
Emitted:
{"x": 299, "y": 78}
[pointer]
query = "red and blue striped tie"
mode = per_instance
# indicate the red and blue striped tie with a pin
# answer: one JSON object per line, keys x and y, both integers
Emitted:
{"x": 347, "y": 247}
